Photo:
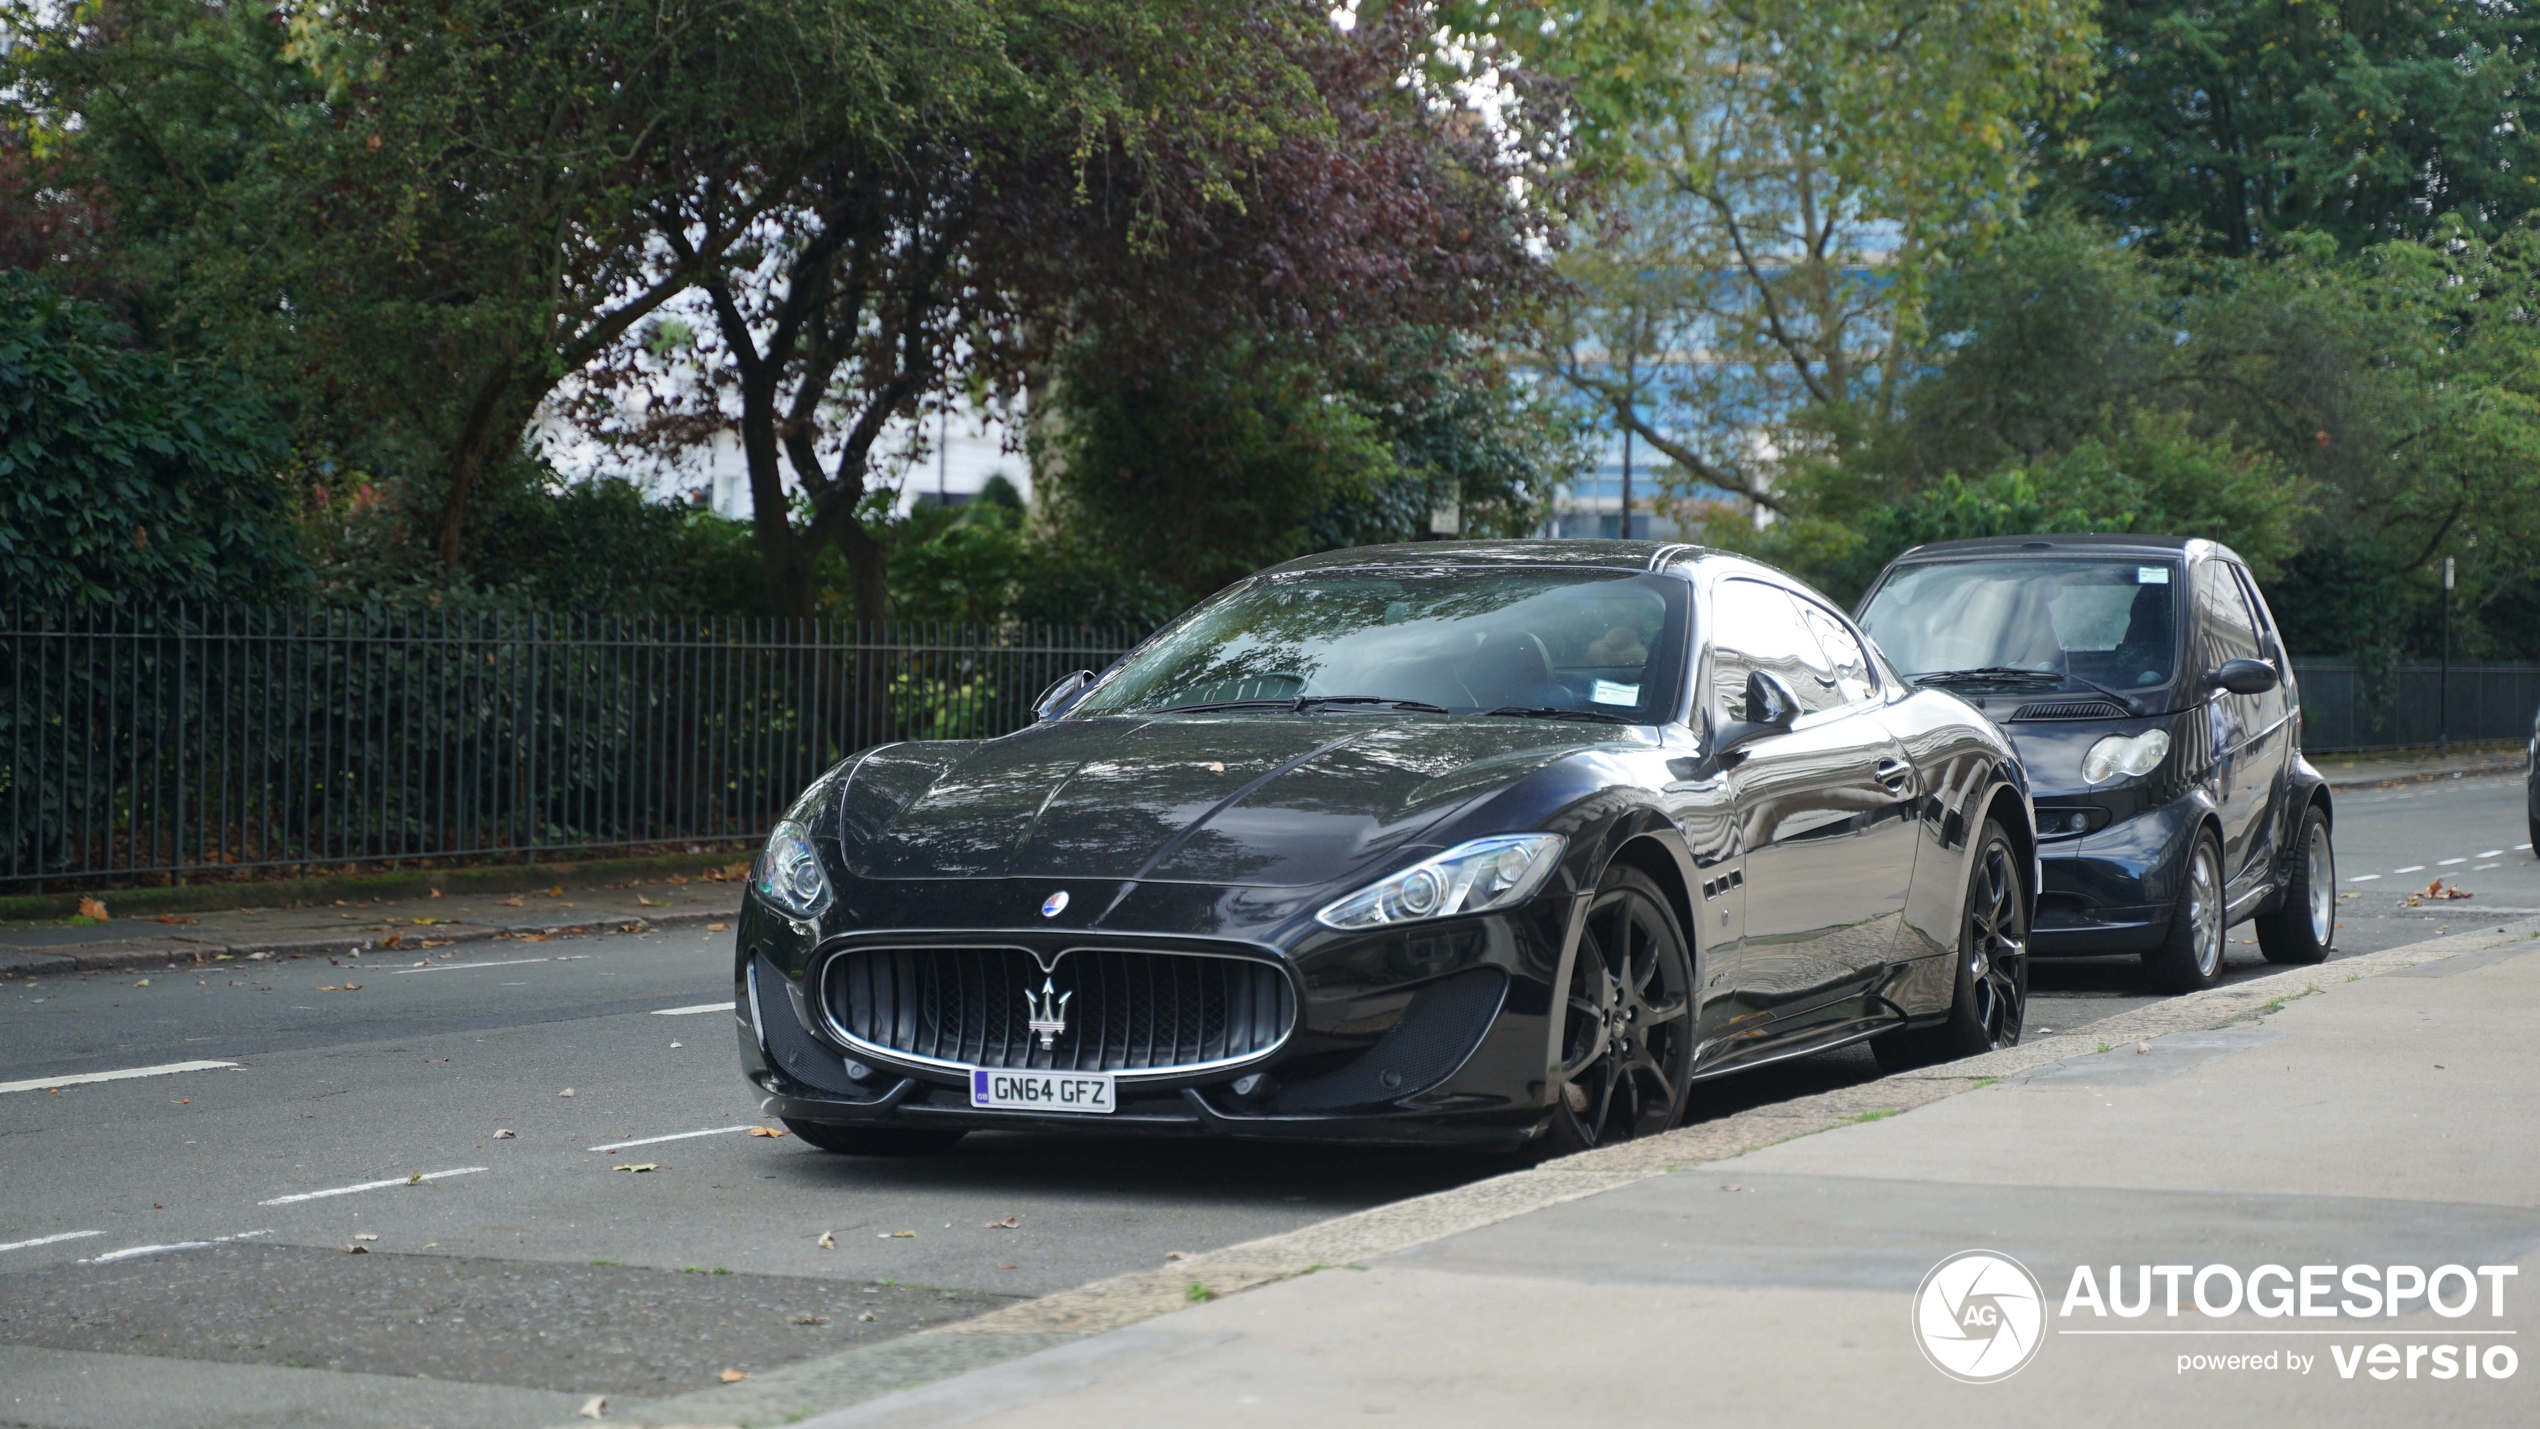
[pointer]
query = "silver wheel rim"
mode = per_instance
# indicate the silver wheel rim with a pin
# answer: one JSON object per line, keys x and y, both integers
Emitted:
{"x": 2319, "y": 874}
{"x": 2204, "y": 910}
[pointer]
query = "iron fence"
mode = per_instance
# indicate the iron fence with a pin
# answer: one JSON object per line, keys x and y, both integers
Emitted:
{"x": 2350, "y": 706}
{"x": 187, "y": 742}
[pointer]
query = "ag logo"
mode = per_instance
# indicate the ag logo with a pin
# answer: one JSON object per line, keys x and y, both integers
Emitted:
{"x": 1979, "y": 1316}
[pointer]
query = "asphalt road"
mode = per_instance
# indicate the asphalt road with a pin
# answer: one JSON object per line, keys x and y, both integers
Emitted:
{"x": 522, "y": 1272}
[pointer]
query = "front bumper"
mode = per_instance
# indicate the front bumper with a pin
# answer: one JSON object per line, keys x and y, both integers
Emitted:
{"x": 1433, "y": 1035}
{"x": 2113, "y": 891}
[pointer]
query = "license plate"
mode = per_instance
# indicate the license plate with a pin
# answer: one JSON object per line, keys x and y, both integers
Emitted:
{"x": 1081, "y": 1092}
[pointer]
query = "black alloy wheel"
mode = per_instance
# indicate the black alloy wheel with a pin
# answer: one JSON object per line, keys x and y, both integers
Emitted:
{"x": 873, "y": 1140}
{"x": 1627, "y": 1033}
{"x": 1988, "y": 1005}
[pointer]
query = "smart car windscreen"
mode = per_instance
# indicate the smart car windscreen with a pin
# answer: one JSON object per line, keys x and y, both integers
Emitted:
{"x": 2106, "y": 622}
{"x": 1587, "y": 643}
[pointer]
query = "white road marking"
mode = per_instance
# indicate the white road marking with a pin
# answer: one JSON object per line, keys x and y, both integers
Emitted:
{"x": 2411, "y": 868}
{"x": 49, "y": 1239}
{"x": 674, "y": 1136}
{"x": 685, "y": 1011}
{"x": 2363, "y": 878}
{"x": 2448, "y": 862}
{"x": 507, "y": 963}
{"x": 128, "y": 1252}
{"x": 2487, "y": 853}
{"x": 370, "y": 1186}
{"x": 2482, "y": 868}
{"x": 2520, "y": 847}
{"x": 84, "y": 1078}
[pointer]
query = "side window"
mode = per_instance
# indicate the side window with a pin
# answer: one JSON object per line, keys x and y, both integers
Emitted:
{"x": 2231, "y": 633}
{"x": 1757, "y": 628}
{"x": 2275, "y": 703}
{"x": 1853, "y": 682}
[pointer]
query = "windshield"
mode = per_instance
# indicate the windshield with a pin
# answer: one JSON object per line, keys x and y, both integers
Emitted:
{"x": 1462, "y": 641}
{"x": 2105, "y": 622}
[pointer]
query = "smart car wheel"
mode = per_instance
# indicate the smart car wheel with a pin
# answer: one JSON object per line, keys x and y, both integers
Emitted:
{"x": 2190, "y": 958}
{"x": 2304, "y": 926}
{"x": 1627, "y": 1035}
{"x": 1989, "y": 1004}
{"x": 873, "y": 1140}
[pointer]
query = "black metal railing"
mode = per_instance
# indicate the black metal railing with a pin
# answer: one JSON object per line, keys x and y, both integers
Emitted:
{"x": 188, "y": 742}
{"x": 2351, "y": 706}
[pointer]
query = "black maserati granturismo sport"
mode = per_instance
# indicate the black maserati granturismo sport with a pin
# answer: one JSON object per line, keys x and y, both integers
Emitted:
{"x": 1449, "y": 843}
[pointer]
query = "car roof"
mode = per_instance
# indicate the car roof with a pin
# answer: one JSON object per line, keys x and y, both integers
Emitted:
{"x": 2094, "y": 541}
{"x": 1486, "y": 555}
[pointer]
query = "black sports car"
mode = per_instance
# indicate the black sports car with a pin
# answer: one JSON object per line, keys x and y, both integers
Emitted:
{"x": 1476, "y": 843}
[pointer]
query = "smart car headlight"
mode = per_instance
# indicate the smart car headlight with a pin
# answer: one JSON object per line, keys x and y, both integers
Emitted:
{"x": 789, "y": 873}
{"x": 2125, "y": 754}
{"x": 1471, "y": 877}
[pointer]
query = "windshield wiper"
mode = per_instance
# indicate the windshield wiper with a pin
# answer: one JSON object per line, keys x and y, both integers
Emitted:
{"x": 1299, "y": 704}
{"x": 1308, "y": 702}
{"x": 1550, "y": 712}
{"x": 2005, "y": 674}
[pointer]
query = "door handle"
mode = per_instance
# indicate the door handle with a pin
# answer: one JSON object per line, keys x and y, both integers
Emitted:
{"x": 1896, "y": 774}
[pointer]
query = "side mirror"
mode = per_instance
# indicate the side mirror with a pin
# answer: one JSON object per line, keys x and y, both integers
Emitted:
{"x": 1055, "y": 700}
{"x": 2245, "y": 677}
{"x": 1770, "y": 708}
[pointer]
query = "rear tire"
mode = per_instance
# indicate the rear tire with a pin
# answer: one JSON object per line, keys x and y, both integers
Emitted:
{"x": 873, "y": 1140}
{"x": 2303, "y": 927}
{"x": 1989, "y": 1003}
{"x": 2190, "y": 958}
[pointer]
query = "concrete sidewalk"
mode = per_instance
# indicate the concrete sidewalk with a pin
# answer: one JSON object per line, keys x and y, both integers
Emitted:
{"x": 405, "y": 927}
{"x": 2383, "y": 1110}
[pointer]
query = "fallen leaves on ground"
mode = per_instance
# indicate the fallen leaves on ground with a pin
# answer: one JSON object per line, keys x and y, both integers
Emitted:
{"x": 652, "y": 902}
{"x": 1177, "y": 1255}
{"x": 896, "y": 1235}
{"x": 2142, "y": 1049}
{"x": 357, "y": 1250}
{"x": 91, "y": 908}
{"x": 426, "y": 922}
{"x": 828, "y": 1240}
{"x": 2437, "y": 890}
{"x": 172, "y": 918}
{"x": 679, "y": 878}
{"x": 556, "y": 892}
{"x": 734, "y": 1376}
{"x": 592, "y": 1406}
{"x": 811, "y": 1320}
{"x": 340, "y": 987}
{"x": 637, "y": 1166}
{"x": 141, "y": 982}
{"x": 865, "y": 1319}
{"x": 505, "y": 1133}
{"x": 718, "y": 927}
{"x": 434, "y": 943}
{"x": 415, "y": 1179}
{"x": 566, "y": 1092}
{"x": 1009, "y": 1223}
{"x": 765, "y": 1130}
{"x": 393, "y": 940}
{"x": 511, "y": 902}
{"x": 364, "y": 1235}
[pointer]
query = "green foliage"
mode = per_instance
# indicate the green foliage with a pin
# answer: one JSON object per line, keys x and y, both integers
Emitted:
{"x": 2233, "y": 124}
{"x": 126, "y": 476}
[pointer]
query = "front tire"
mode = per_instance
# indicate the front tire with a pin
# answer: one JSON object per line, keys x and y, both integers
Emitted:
{"x": 872, "y": 1140}
{"x": 1627, "y": 1034}
{"x": 2190, "y": 957}
{"x": 2303, "y": 927}
{"x": 1989, "y": 1002}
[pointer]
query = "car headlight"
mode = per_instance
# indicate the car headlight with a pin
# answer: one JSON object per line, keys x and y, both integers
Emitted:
{"x": 789, "y": 873}
{"x": 2125, "y": 754}
{"x": 1468, "y": 878}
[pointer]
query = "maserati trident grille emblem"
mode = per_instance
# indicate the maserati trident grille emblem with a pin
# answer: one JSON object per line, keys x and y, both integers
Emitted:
{"x": 1048, "y": 1012}
{"x": 1055, "y": 904}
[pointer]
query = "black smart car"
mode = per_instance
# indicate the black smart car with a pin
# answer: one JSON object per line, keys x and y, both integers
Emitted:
{"x": 2143, "y": 682}
{"x": 1488, "y": 843}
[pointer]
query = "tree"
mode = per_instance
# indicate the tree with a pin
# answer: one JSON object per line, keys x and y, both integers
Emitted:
{"x": 1787, "y": 176}
{"x": 2233, "y": 124}
{"x": 130, "y": 477}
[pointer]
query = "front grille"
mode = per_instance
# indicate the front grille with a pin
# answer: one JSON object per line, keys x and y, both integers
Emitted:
{"x": 1124, "y": 1011}
{"x": 2069, "y": 709}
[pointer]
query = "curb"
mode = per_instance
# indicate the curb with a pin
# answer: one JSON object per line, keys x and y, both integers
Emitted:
{"x": 2341, "y": 783}
{"x": 288, "y": 892}
{"x": 839, "y": 1382}
{"x": 179, "y": 952}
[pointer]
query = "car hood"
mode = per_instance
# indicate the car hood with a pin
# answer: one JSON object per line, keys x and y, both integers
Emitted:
{"x": 1266, "y": 800}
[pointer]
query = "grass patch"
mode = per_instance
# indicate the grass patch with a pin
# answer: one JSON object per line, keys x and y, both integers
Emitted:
{"x": 1877, "y": 1114}
{"x": 1198, "y": 1294}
